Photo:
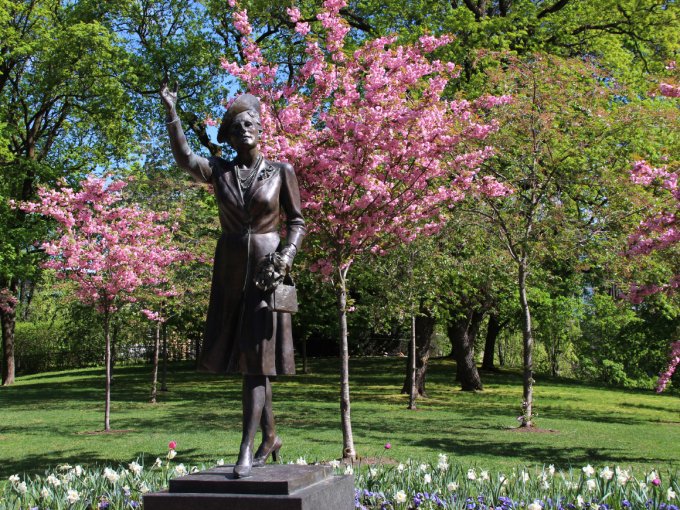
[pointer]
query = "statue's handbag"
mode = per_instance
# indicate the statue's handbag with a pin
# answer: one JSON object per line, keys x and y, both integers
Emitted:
{"x": 284, "y": 297}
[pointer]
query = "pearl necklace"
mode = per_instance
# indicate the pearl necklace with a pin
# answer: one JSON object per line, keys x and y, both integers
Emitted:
{"x": 247, "y": 181}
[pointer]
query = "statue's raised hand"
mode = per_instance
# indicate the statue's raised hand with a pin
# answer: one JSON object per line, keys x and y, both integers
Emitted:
{"x": 168, "y": 97}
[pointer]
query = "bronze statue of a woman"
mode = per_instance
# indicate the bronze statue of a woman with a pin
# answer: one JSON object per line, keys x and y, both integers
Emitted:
{"x": 241, "y": 333}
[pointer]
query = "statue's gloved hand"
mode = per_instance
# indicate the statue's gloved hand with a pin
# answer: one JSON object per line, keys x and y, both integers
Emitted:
{"x": 272, "y": 268}
{"x": 287, "y": 256}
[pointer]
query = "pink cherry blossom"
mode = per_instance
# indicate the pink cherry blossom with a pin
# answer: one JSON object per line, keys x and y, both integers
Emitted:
{"x": 108, "y": 249}
{"x": 366, "y": 153}
{"x": 658, "y": 232}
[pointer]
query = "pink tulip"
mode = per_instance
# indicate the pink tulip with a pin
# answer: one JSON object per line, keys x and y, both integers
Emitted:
{"x": 172, "y": 445}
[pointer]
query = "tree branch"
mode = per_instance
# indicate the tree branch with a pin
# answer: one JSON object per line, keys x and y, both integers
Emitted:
{"x": 552, "y": 9}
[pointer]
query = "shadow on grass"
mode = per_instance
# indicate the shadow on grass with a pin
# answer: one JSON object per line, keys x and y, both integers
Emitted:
{"x": 306, "y": 407}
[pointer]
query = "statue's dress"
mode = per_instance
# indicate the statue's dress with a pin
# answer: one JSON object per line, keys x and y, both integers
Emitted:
{"x": 241, "y": 333}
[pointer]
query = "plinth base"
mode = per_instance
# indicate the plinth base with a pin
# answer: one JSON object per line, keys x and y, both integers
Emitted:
{"x": 273, "y": 487}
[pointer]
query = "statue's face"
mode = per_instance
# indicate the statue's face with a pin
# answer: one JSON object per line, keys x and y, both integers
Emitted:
{"x": 244, "y": 133}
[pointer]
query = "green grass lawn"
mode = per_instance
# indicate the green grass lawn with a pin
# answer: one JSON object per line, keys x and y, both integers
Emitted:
{"x": 43, "y": 417}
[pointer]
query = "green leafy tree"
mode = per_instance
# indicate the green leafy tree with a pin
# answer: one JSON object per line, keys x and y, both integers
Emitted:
{"x": 564, "y": 151}
{"x": 64, "y": 113}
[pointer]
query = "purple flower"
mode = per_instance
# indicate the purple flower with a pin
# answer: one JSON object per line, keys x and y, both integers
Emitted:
{"x": 388, "y": 446}
{"x": 656, "y": 482}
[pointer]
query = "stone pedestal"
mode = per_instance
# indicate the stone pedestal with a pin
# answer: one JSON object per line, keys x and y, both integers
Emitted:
{"x": 272, "y": 487}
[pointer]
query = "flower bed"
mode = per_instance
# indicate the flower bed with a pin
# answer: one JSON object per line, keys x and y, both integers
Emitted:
{"x": 408, "y": 485}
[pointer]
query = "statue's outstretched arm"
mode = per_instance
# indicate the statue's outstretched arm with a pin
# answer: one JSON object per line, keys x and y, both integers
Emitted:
{"x": 197, "y": 166}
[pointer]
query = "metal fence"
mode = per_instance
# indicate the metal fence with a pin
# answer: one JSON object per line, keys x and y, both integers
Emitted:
{"x": 51, "y": 361}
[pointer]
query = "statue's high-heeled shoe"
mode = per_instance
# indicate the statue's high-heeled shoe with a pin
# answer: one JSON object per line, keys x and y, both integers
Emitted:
{"x": 263, "y": 453}
{"x": 243, "y": 466}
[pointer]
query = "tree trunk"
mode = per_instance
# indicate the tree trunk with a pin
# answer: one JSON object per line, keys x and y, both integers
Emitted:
{"x": 8, "y": 313}
{"x": 425, "y": 324}
{"x": 412, "y": 365}
{"x": 501, "y": 359}
{"x": 114, "y": 339}
{"x": 155, "y": 363}
{"x": 472, "y": 330}
{"x": 164, "y": 386}
{"x": 528, "y": 393}
{"x": 305, "y": 370}
{"x": 107, "y": 359}
{"x": 198, "y": 348}
{"x": 348, "y": 450}
{"x": 29, "y": 300}
{"x": 462, "y": 335}
{"x": 494, "y": 328}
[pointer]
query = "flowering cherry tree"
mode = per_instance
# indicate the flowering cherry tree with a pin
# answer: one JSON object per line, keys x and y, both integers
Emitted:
{"x": 378, "y": 152}
{"x": 659, "y": 232}
{"x": 107, "y": 249}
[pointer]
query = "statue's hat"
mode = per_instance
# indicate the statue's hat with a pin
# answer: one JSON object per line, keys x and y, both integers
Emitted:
{"x": 241, "y": 104}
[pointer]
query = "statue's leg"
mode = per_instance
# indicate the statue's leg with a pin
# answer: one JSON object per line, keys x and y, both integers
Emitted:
{"x": 271, "y": 443}
{"x": 267, "y": 420}
{"x": 253, "y": 400}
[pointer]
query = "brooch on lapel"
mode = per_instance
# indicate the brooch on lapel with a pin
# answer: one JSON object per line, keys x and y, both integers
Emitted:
{"x": 267, "y": 172}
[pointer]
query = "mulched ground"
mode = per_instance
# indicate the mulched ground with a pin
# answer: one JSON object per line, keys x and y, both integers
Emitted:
{"x": 533, "y": 429}
{"x": 97, "y": 432}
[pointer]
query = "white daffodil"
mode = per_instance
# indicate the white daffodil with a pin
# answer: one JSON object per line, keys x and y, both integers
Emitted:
{"x": 621, "y": 479}
{"x": 401, "y": 497}
{"x": 525, "y": 476}
{"x": 401, "y": 467}
{"x": 593, "y": 506}
{"x": 220, "y": 462}
{"x": 536, "y": 505}
{"x": 45, "y": 493}
{"x": 452, "y": 486}
{"x": 591, "y": 484}
{"x": 72, "y": 496}
{"x": 642, "y": 485}
{"x": 22, "y": 488}
{"x": 423, "y": 467}
{"x": 427, "y": 479}
{"x": 551, "y": 470}
{"x": 301, "y": 461}
{"x": 606, "y": 474}
{"x": 14, "y": 479}
{"x": 589, "y": 470}
{"x": 545, "y": 485}
{"x": 180, "y": 469}
{"x": 158, "y": 463}
{"x": 135, "y": 468}
{"x": 53, "y": 480}
{"x": 194, "y": 469}
{"x": 471, "y": 474}
{"x": 670, "y": 494}
{"x": 443, "y": 457}
{"x": 111, "y": 475}
{"x": 171, "y": 454}
{"x": 374, "y": 472}
{"x": 79, "y": 471}
{"x": 335, "y": 464}
{"x": 443, "y": 465}
{"x": 65, "y": 467}
{"x": 580, "y": 500}
{"x": 144, "y": 489}
{"x": 484, "y": 475}
{"x": 349, "y": 470}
